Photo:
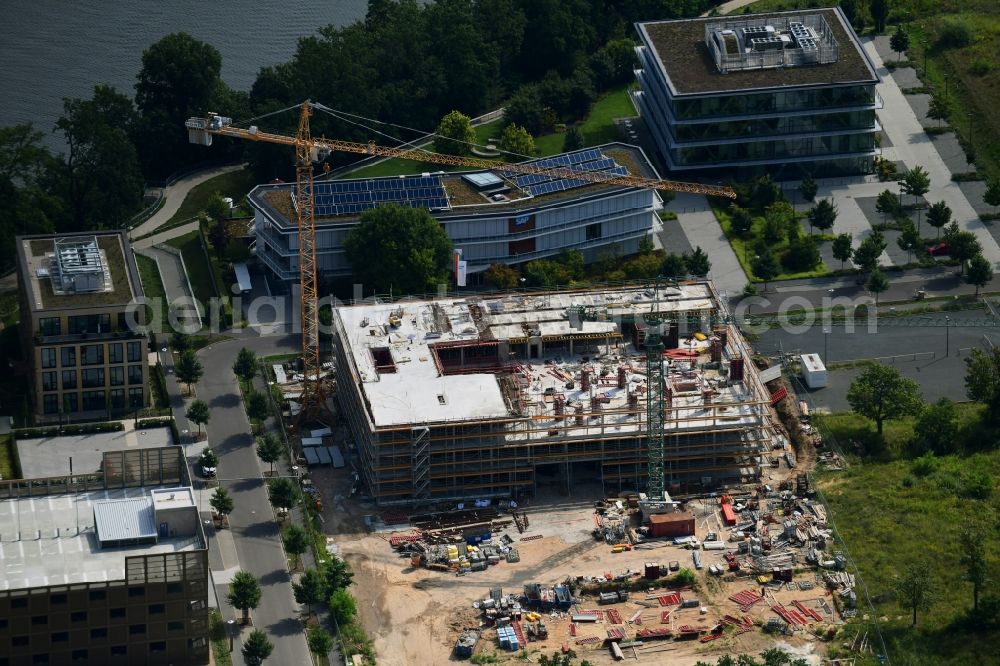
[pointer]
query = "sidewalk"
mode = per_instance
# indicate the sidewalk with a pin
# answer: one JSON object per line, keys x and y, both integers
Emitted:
{"x": 703, "y": 230}
{"x": 174, "y": 196}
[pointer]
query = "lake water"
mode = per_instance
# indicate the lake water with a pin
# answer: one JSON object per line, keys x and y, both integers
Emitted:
{"x": 53, "y": 49}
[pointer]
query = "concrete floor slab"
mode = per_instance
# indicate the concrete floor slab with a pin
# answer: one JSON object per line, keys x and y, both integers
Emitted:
{"x": 49, "y": 456}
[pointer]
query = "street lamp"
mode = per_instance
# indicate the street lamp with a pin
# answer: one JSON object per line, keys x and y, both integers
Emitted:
{"x": 924, "y": 44}
{"x": 231, "y": 626}
{"x": 826, "y": 346}
{"x": 947, "y": 336}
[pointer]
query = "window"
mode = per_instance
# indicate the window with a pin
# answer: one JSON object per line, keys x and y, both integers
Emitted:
{"x": 92, "y": 355}
{"x": 57, "y": 599}
{"x": 3, "y": 623}
{"x": 79, "y": 655}
{"x": 49, "y": 325}
{"x": 49, "y": 381}
{"x": 135, "y": 374}
{"x": 135, "y": 397}
{"x": 117, "y": 375}
{"x": 60, "y": 637}
{"x": 39, "y": 620}
{"x": 42, "y": 658}
{"x": 594, "y": 231}
{"x": 68, "y": 357}
{"x": 136, "y": 591}
{"x": 98, "y": 323}
{"x": 50, "y": 403}
{"x": 19, "y": 641}
{"x": 78, "y": 616}
{"x": 117, "y": 398}
{"x": 19, "y": 603}
{"x": 115, "y": 353}
{"x": 98, "y": 595}
{"x": 117, "y": 613}
{"x": 158, "y": 646}
{"x": 100, "y": 632}
{"x": 175, "y": 626}
{"x": 136, "y": 629}
{"x": 119, "y": 650}
{"x": 134, "y": 352}
{"x": 70, "y": 403}
{"x": 157, "y": 609}
{"x": 69, "y": 379}
{"x": 175, "y": 588}
{"x": 48, "y": 357}
{"x": 93, "y": 400}
{"x": 92, "y": 378}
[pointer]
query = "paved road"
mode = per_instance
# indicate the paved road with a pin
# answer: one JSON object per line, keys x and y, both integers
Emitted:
{"x": 175, "y": 195}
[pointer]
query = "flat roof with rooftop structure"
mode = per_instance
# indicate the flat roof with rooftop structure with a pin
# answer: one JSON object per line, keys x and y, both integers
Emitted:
{"x": 54, "y": 539}
{"x": 50, "y": 456}
{"x": 757, "y": 52}
{"x": 172, "y": 498}
{"x": 460, "y": 193}
{"x": 83, "y": 270}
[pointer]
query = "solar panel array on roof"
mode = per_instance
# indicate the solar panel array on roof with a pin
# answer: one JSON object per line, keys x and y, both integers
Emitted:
{"x": 537, "y": 184}
{"x": 355, "y": 196}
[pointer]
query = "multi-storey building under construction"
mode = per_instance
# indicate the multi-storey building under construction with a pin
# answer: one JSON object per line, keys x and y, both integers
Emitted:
{"x": 475, "y": 396}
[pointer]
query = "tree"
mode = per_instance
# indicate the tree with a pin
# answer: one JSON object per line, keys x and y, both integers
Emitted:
{"x": 939, "y": 108}
{"x": 802, "y": 254}
{"x": 765, "y": 265}
{"x": 973, "y": 556}
{"x": 936, "y": 428}
{"x": 27, "y": 200}
{"x": 517, "y": 142}
{"x": 900, "y": 41}
{"x": 188, "y": 368}
{"x": 319, "y": 640}
{"x": 269, "y": 449}
{"x": 296, "y": 542}
{"x": 850, "y": 9}
{"x": 774, "y": 229}
{"x": 991, "y": 197}
{"x": 914, "y": 588}
{"x": 740, "y": 220}
{"x": 197, "y": 413}
{"x": 501, "y": 276}
{"x": 822, "y": 216}
{"x": 180, "y": 341}
{"x": 244, "y": 593}
{"x": 256, "y": 648}
{"x": 909, "y": 240}
{"x": 697, "y": 263}
{"x": 282, "y": 493}
{"x": 980, "y": 272}
{"x": 398, "y": 250}
{"x": 178, "y": 79}
{"x": 880, "y": 12}
{"x": 963, "y": 246}
{"x": 881, "y": 393}
{"x": 103, "y": 182}
{"x": 310, "y": 588}
{"x": 245, "y": 366}
{"x": 573, "y": 139}
{"x": 673, "y": 266}
{"x": 219, "y": 237}
{"x": 642, "y": 266}
{"x": 842, "y": 248}
{"x": 342, "y": 606}
{"x": 337, "y": 574}
{"x": 916, "y": 182}
{"x": 222, "y": 502}
{"x": 877, "y": 283}
{"x": 982, "y": 380}
{"x": 938, "y": 216}
{"x": 256, "y": 405}
{"x": 454, "y": 135}
{"x": 808, "y": 188}
{"x": 780, "y": 215}
{"x": 867, "y": 254}
{"x": 888, "y": 204}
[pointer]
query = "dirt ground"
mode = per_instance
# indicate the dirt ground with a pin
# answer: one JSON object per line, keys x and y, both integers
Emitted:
{"x": 416, "y": 615}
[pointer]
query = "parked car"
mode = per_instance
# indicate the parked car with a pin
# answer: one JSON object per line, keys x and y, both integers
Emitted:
{"x": 938, "y": 249}
{"x": 208, "y": 462}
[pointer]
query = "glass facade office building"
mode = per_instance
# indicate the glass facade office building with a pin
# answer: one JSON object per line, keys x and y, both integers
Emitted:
{"x": 787, "y": 94}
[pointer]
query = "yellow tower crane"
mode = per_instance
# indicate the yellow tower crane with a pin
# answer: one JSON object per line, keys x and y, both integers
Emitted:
{"x": 309, "y": 151}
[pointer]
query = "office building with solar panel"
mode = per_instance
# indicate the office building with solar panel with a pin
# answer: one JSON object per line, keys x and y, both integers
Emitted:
{"x": 787, "y": 93}
{"x": 86, "y": 361}
{"x": 492, "y": 216}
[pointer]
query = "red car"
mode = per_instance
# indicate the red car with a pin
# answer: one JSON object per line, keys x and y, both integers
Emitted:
{"x": 938, "y": 249}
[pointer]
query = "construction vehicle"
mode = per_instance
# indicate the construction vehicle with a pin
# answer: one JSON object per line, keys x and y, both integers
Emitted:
{"x": 309, "y": 151}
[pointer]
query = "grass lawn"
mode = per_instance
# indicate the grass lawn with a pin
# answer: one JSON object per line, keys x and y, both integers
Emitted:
{"x": 234, "y": 184}
{"x": 889, "y": 515}
{"x": 220, "y": 641}
{"x": 149, "y": 275}
{"x": 599, "y": 126}
{"x": 743, "y": 247}
{"x": 9, "y": 313}
{"x": 199, "y": 272}
{"x": 8, "y": 455}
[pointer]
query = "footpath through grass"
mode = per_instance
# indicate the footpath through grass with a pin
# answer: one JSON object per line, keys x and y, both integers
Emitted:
{"x": 234, "y": 184}
{"x": 902, "y": 511}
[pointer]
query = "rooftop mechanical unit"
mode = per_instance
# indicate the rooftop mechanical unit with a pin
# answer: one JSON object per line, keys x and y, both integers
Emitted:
{"x": 78, "y": 267}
